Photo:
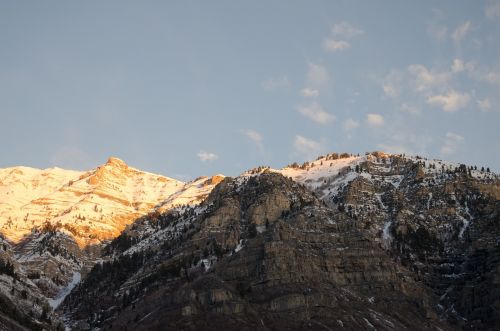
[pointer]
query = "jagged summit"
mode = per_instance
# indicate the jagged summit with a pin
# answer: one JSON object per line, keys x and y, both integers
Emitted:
{"x": 116, "y": 162}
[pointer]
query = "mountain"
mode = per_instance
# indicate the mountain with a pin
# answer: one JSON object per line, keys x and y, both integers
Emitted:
{"x": 377, "y": 241}
{"x": 54, "y": 222}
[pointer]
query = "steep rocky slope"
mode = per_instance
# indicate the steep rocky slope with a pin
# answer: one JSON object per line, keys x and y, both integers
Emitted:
{"x": 440, "y": 220}
{"x": 261, "y": 252}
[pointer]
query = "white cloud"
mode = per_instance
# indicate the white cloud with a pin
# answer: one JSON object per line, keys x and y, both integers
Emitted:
{"x": 350, "y": 124}
{"x": 401, "y": 139}
{"x": 317, "y": 76}
{"x": 391, "y": 83}
{"x": 307, "y": 147}
{"x": 450, "y": 102}
{"x": 461, "y": 31}
{"x": 254, "y": 136}
{"x": 375, "y": 120}
{"x": 492, "y": 77}
{"x": 390, "y": 90}
{"x": 333, "y": 45}
{"x": 207, "y": 156}
{"x": 339, "y": 33}
{"x": 425, "y": 79}
{"x": 309, "y": 92}
{"x": 457, "y": 66}
{"x": 346, "y": 30}
{"x": 275, "y": 83}
{"x": 410, "y": 109}
{"x": 484, "y": 105}
{"x": 492, "y": 11}
{"x": 451, "y": 144}
{"x": 315, "y": 112}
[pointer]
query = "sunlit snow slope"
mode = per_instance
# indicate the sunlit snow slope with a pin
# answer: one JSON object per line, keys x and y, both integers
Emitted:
{"x": 91, "y": 206}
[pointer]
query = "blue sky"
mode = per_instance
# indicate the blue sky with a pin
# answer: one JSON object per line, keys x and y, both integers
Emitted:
{"x": 193, "y": 88}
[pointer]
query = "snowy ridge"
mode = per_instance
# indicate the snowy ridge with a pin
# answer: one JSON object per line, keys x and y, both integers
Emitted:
{"x": 191, "y": 193}
{"x": 97, "y": 205}
{"x": 94, "y": 205}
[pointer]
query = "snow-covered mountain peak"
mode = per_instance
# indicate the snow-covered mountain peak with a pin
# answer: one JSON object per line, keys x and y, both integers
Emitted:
{"x": 91, "y": 206}
{"x": 116, "y": 162}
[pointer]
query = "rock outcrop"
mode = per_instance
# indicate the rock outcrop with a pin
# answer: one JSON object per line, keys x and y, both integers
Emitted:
{"x": 297, "y": 265}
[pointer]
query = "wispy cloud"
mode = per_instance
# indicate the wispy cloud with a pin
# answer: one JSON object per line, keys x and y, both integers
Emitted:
{"x": 451, "y": 143}
{"x": 350, "y": 124}
{"x": 275, "y": 83}
{"x": 461, "y": 31}
{"x": 317, "y": 76}
{"x": 492, "y": 11}
{"x": 309, "y": 93}
{"x": 314, "y": 111}
{"x": 346, "y": 30}
{"x": 399, "y": 138}
{"x": 414, "y": 110}
{"x": 457, "y": 66}
{"x": 391, "y": 83}
{"x": 484, "y": 104}
{"x": 333, "y": 45}
{"x": 308, "y": 148}
{"x": 449, "y": 102}
{"x": 341, "y": 31}
{"x": 491, "y": 77}
{"x": 374, "y": 120}
{"x": 254, "y": 136}
{"x": 207, "y": 156}
{"x": 420, "y": 86}
{"x": 390, "y": 90}
{"x": 425, "y": 79}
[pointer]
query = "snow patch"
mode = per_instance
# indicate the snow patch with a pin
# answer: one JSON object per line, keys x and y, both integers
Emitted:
{"x": 466, "y": 222}
{"x": 386, "y": 234}
{"x": 239, "y": 247}
{"x": 261, "y": 228}
{"x": 55, "y": 302}
{"x": 369, "y": 324}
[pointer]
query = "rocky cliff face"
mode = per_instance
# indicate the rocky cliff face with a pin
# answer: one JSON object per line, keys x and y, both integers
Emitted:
{"x": 261, "y": 252}
{"x": 439, "y": 220}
